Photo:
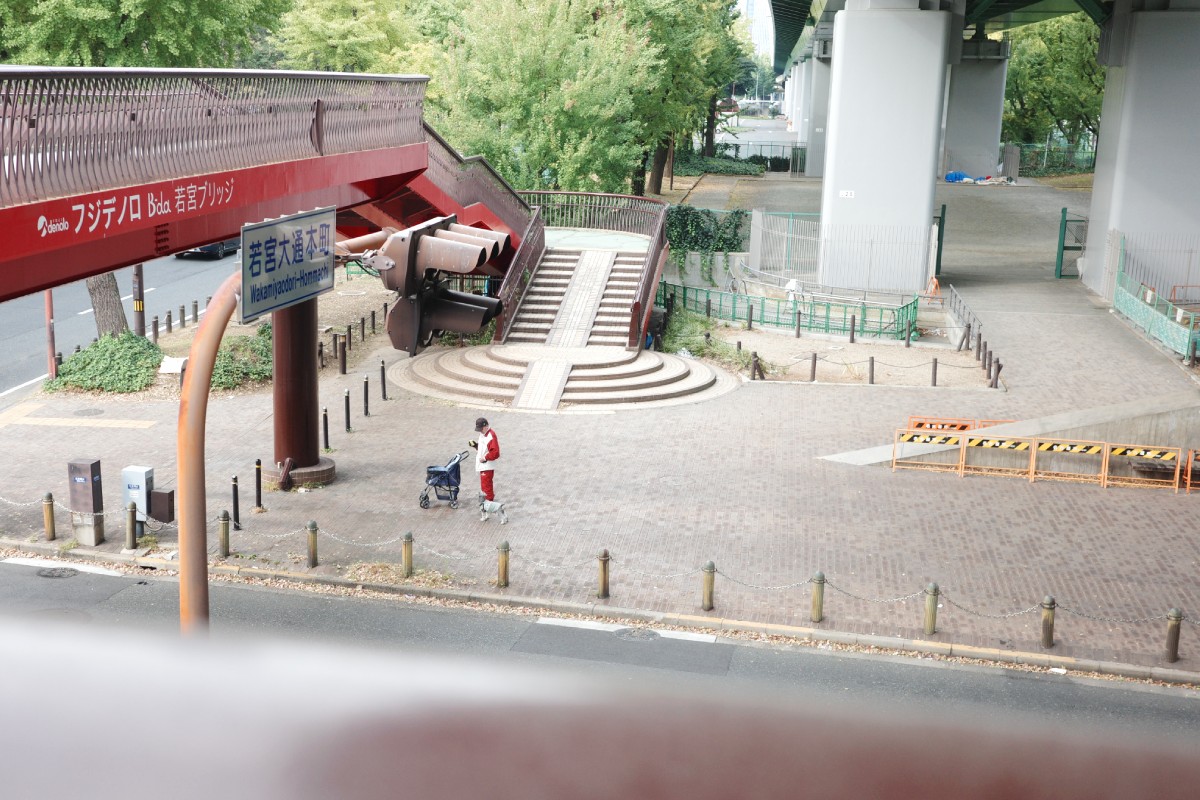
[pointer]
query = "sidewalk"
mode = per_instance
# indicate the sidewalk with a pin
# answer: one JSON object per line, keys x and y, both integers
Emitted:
{"x": 736, "y": 480}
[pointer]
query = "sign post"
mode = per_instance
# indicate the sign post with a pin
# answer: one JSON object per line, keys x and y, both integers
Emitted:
{"x": 286, "y": 261}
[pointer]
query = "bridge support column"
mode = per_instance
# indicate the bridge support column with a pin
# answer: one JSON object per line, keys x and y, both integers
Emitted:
{"x": 975, "y": 108}
{"x": 1146, "y": 171}
{"x": 885, "y": 113}
{"x": 817, "y": 116}
{"x": 296, "y": 405}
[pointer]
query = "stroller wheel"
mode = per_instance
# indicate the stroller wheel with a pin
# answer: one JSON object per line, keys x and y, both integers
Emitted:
{"x": 424, "y": 500}
{"x": 454, "y": 504}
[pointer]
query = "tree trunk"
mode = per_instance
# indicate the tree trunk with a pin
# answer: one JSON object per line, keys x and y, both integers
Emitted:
{"x": 710, "y": 129}
{"x": 106, "y": 302}
{"x": 657, "y": 168}
{"x": 638, "y": 182}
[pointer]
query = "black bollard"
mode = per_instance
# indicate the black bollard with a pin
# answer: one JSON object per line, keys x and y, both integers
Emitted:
{"x": 325, "y": 425}
{"x": 366, "y": 396}
{"x": 853, "y": 325}
{"x": 372, "y": 322}
{"x": 341, "y": 356}
{"x": 347, "y": 411}
{"x": 321, "y": 354}
{"x": 362, "y": 329}
{"x": 349, "y": 337}
{"x": 382, "y": 379}
{"x": 258, "y": 483}
{"x": 237, "y": 520}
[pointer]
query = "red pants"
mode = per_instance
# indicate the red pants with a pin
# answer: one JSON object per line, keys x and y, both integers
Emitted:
{"x": 485, "y": 484}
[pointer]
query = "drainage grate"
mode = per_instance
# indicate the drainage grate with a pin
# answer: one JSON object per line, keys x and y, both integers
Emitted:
{"x": 57, "y": 572}
{"x": 636, "y": 634}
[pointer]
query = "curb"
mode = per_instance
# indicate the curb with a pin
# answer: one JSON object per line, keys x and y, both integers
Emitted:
{"x": 920, "y": 646}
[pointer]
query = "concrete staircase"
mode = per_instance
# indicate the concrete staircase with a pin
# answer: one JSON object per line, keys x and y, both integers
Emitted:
{"x": 566, "y": 348}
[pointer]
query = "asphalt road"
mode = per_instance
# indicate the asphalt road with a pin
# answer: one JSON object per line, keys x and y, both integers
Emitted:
{"x": 1038, "y": 701}
{"x": 169, "y": 283}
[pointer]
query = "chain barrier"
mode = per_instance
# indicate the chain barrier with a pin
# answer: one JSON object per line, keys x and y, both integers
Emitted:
{"x": 337, "y": 538}
{"x": 837, "y": 588}
{"x": 68, "y": 509}
{"x": 543, "y": 565}
{"x": 1131, "y": 621}
{"x": 1191, "y": 621}
{"x": 1009, "y": 615}
{"x": 449, "y": 557}
{"x": 24, "y": 505}
{"x": 278, "y": 536}
{"x": 768, "y": 588}
{"x": 633, "y": 571}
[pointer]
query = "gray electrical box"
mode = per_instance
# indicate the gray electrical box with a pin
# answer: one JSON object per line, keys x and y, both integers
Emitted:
{"x": 136, "y": 485}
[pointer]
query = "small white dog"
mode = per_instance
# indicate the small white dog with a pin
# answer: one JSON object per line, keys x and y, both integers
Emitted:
{"x": 487, "y": 507}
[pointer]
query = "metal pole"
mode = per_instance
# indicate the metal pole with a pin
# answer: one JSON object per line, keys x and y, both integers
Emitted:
{"x": 931, "y": 605}
{"x": 372, "y": 322}
{"x": 182, "y": 317}
{"x": 871, "y": 370}
{"x": 1048, "y": 606}
{"x": 366, "y": 396}
{"x": 325, "y": 425}
{"x": 502, "y": 566}
{"x": 196, "y": 311}
{"x": 131, "y": 526}
{"x": 48, "y": 516}
{"x": 168, "y": 322}
{"x": 237, "y": 518}
{"x": 797, "y": 322}
{"x": 52, "y": 368}
{"x": 908, "y": 333}
{"x": 706, "y": 593}
{"x": 940, "y": 238}
{"x": 853, "y": 321}
{"x": 312, "y": 543}
{"x": 754, "y": 366}
{"x": 139, "y": 301}
{"x": 321, "y": 354}
{"x": 1062, "y": 240}
{"x": 223, "y": 533}
{"x": 818, "y": 597}
{"x": 966, "y": 339}
{"x": 978, "y": 345}
{"x": 349, "y": 340}
{"x": 1192, "y": 354}
{"x": 154, "y": 329}
{"x": 1174, "y": 617}
{"x": 604, "y": 559}
{"x": 382, "y": 379}
{"x": 362, "y": 329}
{"x": 406, "y": 556}
{"x": 341, "y": 356}
{"x": 933, "y": 377}
{"x": 347, "y": 411}
{"x": 996, "y": 374}
{"x": 812, "y": 375}
{"x": 258, "y": 483}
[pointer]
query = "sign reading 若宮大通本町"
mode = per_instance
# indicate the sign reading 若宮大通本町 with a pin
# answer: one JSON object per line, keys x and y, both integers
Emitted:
{"x": 286, "y": 261}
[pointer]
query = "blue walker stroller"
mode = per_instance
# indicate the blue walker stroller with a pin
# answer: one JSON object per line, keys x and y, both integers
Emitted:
{"x": 444, "y": 481}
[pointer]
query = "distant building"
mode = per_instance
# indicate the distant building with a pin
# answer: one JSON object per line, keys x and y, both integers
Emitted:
{"x": 762, "y": 26}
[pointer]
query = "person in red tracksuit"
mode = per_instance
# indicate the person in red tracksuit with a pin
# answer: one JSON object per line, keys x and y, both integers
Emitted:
{"x": 487, "y": 451}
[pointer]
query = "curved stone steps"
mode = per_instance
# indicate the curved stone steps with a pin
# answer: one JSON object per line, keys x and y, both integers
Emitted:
{"x": 665, "y": 371}
{"x": 457, "y": 367}
{"x": 466, "y": 385}
{"x": 692, "y": 378}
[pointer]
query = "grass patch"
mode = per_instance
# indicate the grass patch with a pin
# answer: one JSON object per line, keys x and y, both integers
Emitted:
{"x": 123, "y": 364}
{"x": 685, "y": 331}
{"x": 244, "y": 359}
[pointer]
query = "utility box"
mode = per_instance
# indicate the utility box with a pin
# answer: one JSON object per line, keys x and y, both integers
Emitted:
{"x": 162, "y": 504}
{"x": 136, "y": 485}
{"x": 87, "y": 500}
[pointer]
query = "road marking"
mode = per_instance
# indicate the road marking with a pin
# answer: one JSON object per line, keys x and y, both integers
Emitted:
{"x": 82, "y": 313}
{"x": 23, "y": 385}
{"x": 580, "y": 623}
{"x": 19, "y": 415}
{"x": 687, "y": 636}
{"x": 45, "y": 562}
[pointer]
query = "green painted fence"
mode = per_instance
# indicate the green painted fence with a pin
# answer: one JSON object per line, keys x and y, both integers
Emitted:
{"x": 1162, "y": 320}
{"x": 813, "y": 315}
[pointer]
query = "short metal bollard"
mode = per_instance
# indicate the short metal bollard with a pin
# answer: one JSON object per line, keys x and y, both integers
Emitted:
{"x": 933, "y": 375}
{"x": 182, "y": 317}
{"x": 237, "y": 517}
{"x": 818, "y": 597}
{"x": 258, "y": 483}
{"x": 604, "y": 559}
{"x": 931, "y": 606}
{"x": 798, "y": 320}
{"x": 196, "y": 312}
{"x": 347, "y": 411}
{"x": 372, "y": 322}
{"x": 1048, "y": 606}
{"x": 362, "y": 329}
{"x": 131, "y": 526}
{"x": 908, "y": 333}
{"x": 382, "y": 379}
{"x": 366, "y": 396}
{"x": 708, "y": 306}
{"x": 321, "y": 354}
{"x": 812, "y": 374}
{"x": 341, "y": 356}
{"x": 48, "y": 515}
{"x": 349, "y": 340}
{"x": 1174, "y": 618}
{"x": 325, "y": 425}
{"x": 312, "y": 543}
{"x": 406, "y": 561}
{"x": 223, "y": 533}
{"x": 749, "y": 318}
{"x": 978, "y": 346}
{"x": 853, "y": 325}
{"x": 502, "y": 566}
{"x": 168, "y": 322}
{"x": 754, "y": 366}
{"x": 706, "y": 593}
{"x": 996, "y": 374}
{"x": 154, "y": 330}
{"x": 871, "y": 370}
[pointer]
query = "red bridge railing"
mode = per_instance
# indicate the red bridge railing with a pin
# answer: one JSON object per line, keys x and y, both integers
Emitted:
{"x": 473, "y": 180}
{"x": 67, "y": 131}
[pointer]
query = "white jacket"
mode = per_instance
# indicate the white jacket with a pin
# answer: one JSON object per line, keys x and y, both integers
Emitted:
{"x": 487, "y": 452}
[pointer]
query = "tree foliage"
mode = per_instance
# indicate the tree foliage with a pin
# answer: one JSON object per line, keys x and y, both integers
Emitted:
{"x": 1054, "y": 83}
{"x": 344, "y": 35}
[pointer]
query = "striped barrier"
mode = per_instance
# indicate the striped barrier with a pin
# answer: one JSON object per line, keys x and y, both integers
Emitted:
{"x": 952, "y": 423}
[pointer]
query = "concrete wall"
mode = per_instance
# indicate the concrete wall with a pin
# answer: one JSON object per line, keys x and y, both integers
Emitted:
{"x": 974, "y": 116}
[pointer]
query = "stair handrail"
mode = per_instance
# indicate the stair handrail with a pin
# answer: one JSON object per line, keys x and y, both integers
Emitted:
{"x": 520, "y": 274}
{"x": 652, "y": 267}
{"x": 471, "y": 179}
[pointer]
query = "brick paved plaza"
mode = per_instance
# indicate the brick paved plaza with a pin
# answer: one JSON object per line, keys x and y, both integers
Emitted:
{"x": 738, "y": 479}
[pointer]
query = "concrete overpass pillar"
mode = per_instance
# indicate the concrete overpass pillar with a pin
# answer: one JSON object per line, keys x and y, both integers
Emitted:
{"x": 881, "y": 160}
{"x": 975, "y": 111}
{"x": 817, "y": 129}
{"x": 789, "y": 96}
{"x": 1146, "y": 168}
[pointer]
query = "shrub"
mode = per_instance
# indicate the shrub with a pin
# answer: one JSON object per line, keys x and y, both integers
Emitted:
{"x": 685, "y": 331}
{"x": 125, "y": 363}
{"x": 693, "y": 164}
{"x": 244, "y": 359}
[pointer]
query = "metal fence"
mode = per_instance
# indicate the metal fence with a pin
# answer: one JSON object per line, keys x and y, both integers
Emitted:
{"x": 69, "y": 131}
{"x": 1171, "y": 324}
{"x": 1072, "y": 236}
{"x": 473, "y": 180}
{"x": 1038, "y": 158}
{"x": 807, "y": 310}
{"x": 774, "y": 156}
{"x": 785, "y": 247}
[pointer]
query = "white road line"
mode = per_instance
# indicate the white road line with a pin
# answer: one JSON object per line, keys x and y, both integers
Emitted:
{"x": 81, "y": 313}
{"x": 45, "y": 562}
{"x": 580, "y": 623}
{"x": 688, "y": 637}
{"x": 23, "y": 385}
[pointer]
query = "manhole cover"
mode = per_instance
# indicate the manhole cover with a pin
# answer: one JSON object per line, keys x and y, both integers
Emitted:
{"x": 637, "y": 634}
{"x": 57, "y": 572}
{"x": 89, "y": 412}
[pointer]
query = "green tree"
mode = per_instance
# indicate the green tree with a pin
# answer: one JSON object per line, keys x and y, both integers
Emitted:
{"x": 344, "y": 35}
{"x": 1054, "y": 82}
{"x": 129, "y": 33}
{"x": 545, "y": 91}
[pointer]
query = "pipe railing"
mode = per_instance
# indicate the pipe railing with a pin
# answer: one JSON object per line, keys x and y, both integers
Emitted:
{"x": 614, "y": 212}
{"x": 67, "y": 131}
{"x": 520, "y": 273}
